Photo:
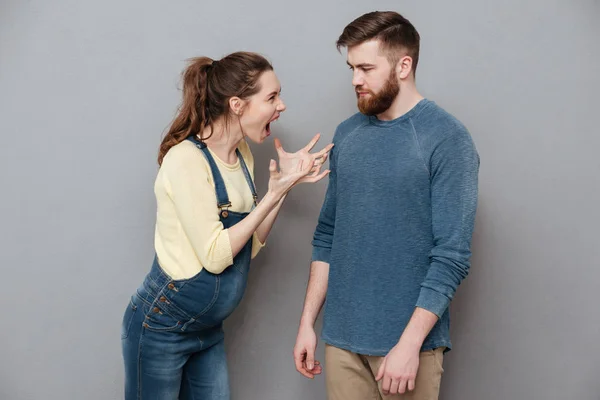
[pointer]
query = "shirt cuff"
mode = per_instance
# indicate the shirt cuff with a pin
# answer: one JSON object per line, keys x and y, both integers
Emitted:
{"x": 321, "y": 254}
{"x": 433, "y": 301}
{"x": 257, "y": 245}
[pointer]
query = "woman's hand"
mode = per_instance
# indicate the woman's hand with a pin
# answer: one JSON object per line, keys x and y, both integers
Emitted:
{"x": 290, "y": 161}
{"x": 280, "y": 182}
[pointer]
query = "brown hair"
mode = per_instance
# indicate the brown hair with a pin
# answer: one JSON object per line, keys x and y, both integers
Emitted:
{"x": 207, "y": 87}
{"x": 395, "y": 33}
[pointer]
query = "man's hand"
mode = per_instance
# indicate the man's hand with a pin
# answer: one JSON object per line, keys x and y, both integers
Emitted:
{"x": 399, "y": 368}
{"x": 289, "y": 161}
{"x": 304, "y": 352}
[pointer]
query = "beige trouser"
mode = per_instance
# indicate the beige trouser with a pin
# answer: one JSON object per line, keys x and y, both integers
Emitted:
{"x": 351, "y": 376}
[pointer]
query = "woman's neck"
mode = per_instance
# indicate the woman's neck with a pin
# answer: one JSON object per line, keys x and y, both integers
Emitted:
{"x": 223, "y": 141}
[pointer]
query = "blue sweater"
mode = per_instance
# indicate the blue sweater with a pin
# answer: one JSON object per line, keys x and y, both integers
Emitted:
{"x": 395, "y": 226}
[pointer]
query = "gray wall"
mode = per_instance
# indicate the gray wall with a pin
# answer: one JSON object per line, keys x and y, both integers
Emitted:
{"x": 87, "y": 88}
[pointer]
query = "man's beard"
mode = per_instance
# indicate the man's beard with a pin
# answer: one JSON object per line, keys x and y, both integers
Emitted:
{"x": 380, "y": 102}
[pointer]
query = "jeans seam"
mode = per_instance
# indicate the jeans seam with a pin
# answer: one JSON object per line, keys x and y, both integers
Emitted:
{"x": 133, "y": 311}
{"x": 191, "y": 391}
{"x": 139, "y": 365}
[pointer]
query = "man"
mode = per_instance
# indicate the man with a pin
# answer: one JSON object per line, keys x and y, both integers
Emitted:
{"x": 394, "y": 234}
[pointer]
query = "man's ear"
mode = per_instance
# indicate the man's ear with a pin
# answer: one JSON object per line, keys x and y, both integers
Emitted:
{"x": 404, "y": 67}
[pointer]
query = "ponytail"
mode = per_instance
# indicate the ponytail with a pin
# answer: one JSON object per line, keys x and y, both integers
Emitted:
{"x": 193, "y": 116}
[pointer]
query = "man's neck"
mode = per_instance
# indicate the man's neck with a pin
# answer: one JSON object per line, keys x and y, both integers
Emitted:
{"x": 404, "y": 102}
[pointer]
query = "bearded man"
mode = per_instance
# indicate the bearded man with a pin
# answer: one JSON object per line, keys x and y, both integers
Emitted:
{"x": 393, "y": 239}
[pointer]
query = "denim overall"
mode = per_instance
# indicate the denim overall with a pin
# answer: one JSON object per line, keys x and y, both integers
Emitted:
{"x": 172, "y": 332}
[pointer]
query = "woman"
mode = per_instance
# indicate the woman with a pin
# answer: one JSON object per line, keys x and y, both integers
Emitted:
{"x": 208, "y": 227}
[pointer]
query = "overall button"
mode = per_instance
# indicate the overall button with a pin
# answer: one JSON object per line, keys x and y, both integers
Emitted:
{"x": 162, "y": 299}
{"x": 224, "y": 214}
{"x": 171, "y": 286}
{"x": 156, "y": 309}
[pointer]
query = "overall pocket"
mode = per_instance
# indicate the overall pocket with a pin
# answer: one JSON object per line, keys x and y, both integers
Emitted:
{"x": 158, "y": 318}
{"x": 181, "y": 302}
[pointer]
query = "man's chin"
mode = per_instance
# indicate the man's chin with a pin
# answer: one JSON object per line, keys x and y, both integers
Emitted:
{"x": 364, "y": 109}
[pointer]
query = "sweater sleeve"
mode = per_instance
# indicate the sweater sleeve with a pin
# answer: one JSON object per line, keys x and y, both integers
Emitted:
{"x": 454, "y": 187}
{"x": 193, "y": 196}
{"x": 323, "y": 235}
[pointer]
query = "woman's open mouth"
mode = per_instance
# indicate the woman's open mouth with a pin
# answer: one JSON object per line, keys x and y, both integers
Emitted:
{"x": 268, "y": 127}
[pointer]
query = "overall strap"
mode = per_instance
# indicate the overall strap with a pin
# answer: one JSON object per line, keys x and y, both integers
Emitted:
{"x": 247, "y": 175}
{"x": 221, "y": 191}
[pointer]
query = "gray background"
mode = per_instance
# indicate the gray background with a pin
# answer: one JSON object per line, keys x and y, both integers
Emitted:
{"x": 87, "y": 89}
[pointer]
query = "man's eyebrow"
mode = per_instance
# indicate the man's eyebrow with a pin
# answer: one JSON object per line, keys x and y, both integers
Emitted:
{"x": 362, "y": 65}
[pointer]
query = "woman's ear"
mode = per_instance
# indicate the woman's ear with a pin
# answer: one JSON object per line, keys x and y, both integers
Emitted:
{"x": 236, "y": 105}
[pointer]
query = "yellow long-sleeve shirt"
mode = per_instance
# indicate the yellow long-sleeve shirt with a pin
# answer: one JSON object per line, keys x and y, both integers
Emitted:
{"x": 189, "y": 235}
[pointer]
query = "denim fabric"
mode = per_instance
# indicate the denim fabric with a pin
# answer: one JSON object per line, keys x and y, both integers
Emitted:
{"x": 172, "y": 331}
{"x": 396, "y": 226}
